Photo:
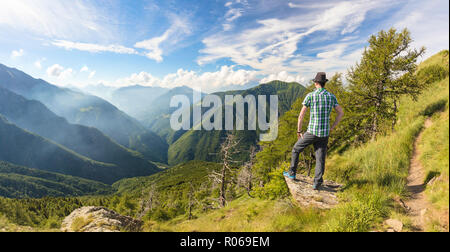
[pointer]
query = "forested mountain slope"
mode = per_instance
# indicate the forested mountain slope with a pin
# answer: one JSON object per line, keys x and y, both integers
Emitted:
{"x": 22, "y": 182}
{"x": 21, "y": 147}
{"x": 202, "y": 144}
{"x": 86, "y": 110}
{"x": 33, "y": 116}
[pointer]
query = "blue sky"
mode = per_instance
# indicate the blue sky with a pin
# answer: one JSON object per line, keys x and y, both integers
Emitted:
{"x": 208, "y": 44}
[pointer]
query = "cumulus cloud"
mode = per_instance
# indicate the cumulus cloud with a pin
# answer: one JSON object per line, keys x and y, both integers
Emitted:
{"x": 84, "y": 69}
{"x": 57, "y": 71}
{"x": 283, "y": 76}
{"x": 207, "y": 81}
{"x": 38, "y": 63}
{"x": 142, "y": 78}
{"x": 93, "y": 48}
{"x": 17, "y": 53}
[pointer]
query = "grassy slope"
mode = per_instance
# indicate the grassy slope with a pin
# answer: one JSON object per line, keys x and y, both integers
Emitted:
{"x": 434, "y": 149}
{"x": 7, "y": 226}
{"x": 173, "y": 178}
{"x": 246, "y": 215}
{"x": 375, "y": 175}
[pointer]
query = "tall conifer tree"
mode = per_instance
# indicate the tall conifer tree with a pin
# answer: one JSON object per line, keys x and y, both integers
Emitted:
{"x": 386, "y": 72}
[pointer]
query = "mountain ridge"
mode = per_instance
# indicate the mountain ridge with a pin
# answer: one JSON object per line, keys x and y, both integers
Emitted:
{"x": 88, "y": 110}
{"x": 33, "y": 116}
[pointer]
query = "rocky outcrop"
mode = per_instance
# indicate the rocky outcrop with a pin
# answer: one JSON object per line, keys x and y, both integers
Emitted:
{"x": 394, "y": 225}
{"x": 99, "y": 219}
{"x": 305, "y": 196}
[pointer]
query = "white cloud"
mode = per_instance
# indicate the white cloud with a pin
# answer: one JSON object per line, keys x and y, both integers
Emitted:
{"x": 176, "y": 32}
{"x": 38, "y": 63}
{"x": 208, "y": 81}
{"x": 227, "y": 27}
{"x": 283, "y": 76}
{"x": 311, "y": 5}
{"x": 17, "y": 54}
{"x": 273, "y": 44}
{"x": 56, "y": 19}
{"x": 57, "y": 71}
{"x": 142, "y": 78}
{"x": 93, "y": 48}
{"x": 92, "y": 74}
{"x": 427, "y": 22}
{"x": 330, "y": 61}
{"x": 84, "y": 69}
{"x": 233, "y": 13}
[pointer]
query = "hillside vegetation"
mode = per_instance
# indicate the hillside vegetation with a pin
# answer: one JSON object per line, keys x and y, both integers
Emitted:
{"x": 22, "y": 182}
{"x": 202, "y": 144}
{"x": 374, "y": 173}
{"x": 88, "y": 110}
{"x": 34, "y": 117}
{"x": 25, "y": 148}
{"x": 184, "y": 197}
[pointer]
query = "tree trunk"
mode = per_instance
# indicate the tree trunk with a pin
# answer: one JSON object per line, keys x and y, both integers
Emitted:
{"x": 222, "y": 187}
{"x": 394, "y": 120}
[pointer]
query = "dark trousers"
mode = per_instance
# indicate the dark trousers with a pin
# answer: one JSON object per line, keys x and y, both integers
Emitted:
{"x": 320, "y": 149}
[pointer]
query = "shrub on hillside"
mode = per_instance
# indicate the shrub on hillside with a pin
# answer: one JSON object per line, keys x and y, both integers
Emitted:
{"x": 433, "y": 73}
{"x": 276, "y": 187}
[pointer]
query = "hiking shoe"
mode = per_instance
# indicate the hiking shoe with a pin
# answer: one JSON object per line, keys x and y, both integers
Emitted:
{"x": 287, "y": 175}
{"x": 316, "y": 187}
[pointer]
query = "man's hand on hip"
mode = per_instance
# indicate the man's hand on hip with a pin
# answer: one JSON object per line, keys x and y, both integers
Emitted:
{"x": 299, "y": 135}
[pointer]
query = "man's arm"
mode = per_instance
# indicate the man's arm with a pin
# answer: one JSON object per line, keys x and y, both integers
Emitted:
{"x": 300, "y": 121}
{"x": 340, "y": 114}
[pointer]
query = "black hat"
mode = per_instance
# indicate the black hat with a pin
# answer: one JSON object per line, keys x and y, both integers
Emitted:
{"x": 321, "y": 77}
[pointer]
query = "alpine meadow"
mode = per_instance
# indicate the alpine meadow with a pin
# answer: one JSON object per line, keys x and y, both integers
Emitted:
{"x": 88, "y": 99}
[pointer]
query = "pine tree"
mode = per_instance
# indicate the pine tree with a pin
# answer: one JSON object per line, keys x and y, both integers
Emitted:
{"x": 385, "y": 73}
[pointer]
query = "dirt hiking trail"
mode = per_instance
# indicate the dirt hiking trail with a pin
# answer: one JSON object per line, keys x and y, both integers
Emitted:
{"x": 417, "y": 204}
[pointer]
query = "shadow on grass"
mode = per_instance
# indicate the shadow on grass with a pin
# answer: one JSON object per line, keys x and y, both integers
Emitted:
{"x": 430, "y": 176}
{"x": 359, "y": 183}
{"x": 434, "y": 107}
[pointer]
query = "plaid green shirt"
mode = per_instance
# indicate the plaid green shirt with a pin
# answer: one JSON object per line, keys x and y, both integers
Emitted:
{"x": 321, "y": 102}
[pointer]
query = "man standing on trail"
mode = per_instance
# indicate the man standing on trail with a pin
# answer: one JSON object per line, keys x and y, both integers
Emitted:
{"x": 321, "y": 102}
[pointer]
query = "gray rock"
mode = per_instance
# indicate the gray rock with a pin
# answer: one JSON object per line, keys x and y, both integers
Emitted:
{"x": 394, "y": 224}
{"x": 304, "y": 195}
{"x": 99, "y": 219}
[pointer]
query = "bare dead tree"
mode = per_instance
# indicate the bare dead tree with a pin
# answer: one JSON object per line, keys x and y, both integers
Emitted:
{"x": 221, "y": 178}
{"x": 148, "y": 200}
{"x": 191, "y": 200}
{"x": 245, "y": 176}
